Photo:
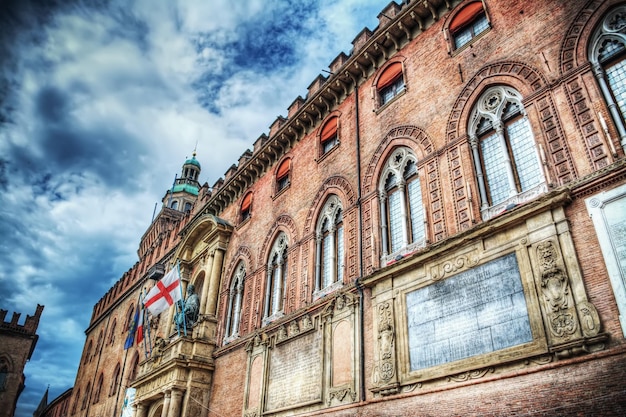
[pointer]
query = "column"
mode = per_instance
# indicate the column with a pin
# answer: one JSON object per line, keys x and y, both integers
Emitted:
{"x": 333, "y": 255}
{"x": 175, "y": 403}
{"x": 383, "y": 222}
{"x": 479, "y": 173}
{"x": 268, "y": 291}
{"x": 205, "y": 285}
{"x": 214, "y": 286}
{"x": 142, "y": 410}
{"x": 166, "y": 403}
{"x": 610, "y": 102}
{"x": 318, "y": 261}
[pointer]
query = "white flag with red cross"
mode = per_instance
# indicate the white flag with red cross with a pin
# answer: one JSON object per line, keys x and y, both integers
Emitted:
{"x": 164, "y": 294}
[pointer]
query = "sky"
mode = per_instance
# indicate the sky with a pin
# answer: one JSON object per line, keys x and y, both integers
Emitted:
{"x": 101, "y": 101}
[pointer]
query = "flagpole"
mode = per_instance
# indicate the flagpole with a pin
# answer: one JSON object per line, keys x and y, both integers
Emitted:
{"x": 182, "y": 299}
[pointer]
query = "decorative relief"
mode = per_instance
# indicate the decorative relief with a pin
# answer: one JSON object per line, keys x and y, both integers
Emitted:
{"x": 452, "y": 266}
{"x": 558, "y": 303}
{"x": 469, "y": 375}
{"x": 385, "y": 368}
{"x": 340, "y": 394}
{"x": 517, "y": 70}
{"x": 589, "y": 319}
{"x": 572, "y": 37}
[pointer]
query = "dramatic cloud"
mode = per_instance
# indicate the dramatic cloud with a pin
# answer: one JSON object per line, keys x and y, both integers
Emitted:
{"x": 100, "y": 103}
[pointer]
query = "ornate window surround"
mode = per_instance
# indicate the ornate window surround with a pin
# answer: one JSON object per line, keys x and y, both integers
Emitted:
{"x": 491, "y": 106}
{"x": 611, "y": 29}
{"x": 235, "y": 302}
{"x": 330, "y": 212}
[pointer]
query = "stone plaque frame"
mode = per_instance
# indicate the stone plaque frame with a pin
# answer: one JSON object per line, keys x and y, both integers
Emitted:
{"x": 314, "y": 367}
{"x": 562, "y": 321}
{"x": 610, "y": 224}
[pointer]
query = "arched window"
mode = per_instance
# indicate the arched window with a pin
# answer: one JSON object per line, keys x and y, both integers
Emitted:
{"x": 235, "y": 300}
{"x": 390, "y": 83}
{"x": 329, "y": 247}
{"x": 276, "y": 279}
{"x": 76, "y": 401}
{"x": 468, "y": 23}
{"x": 87, "y": 357}
{"x": 187, "y": 206}
{"x": 505, "y": 155}
{"x": 402, "y": 211}
{"x": 328, "y": 136}
{"x": 83, "y": 404}
{"x": 607, "y": 53}
{"x": 246, "y": 207}
{"x": 282, "y": 175}
{"x": 115, "y": 381}
{"x": 96, "y": 396}
{"x": 129, "y": 318}
{"x": 112, "y": 333}
{"x": 4, "y": 373}
{"x": 174, "y": 205}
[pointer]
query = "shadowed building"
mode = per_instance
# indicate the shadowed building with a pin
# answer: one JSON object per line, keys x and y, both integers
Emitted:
{"x": 17, "y": 343}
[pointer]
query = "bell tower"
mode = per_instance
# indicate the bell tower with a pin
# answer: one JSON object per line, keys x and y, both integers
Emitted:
{"x": 184, "y": 193}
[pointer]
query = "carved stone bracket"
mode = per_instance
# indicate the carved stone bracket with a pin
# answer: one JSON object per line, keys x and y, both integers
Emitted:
{"x": 468, "y": 375}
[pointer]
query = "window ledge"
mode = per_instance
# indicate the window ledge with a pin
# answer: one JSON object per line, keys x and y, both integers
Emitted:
{"x": 402, "y": 253}
{"x": 327, "y": 290}
{"x": 469, "y": 44}
{"x": 269, "y": 319}
{"x": 514, "y": 201}
{"x": 325, "y": 155}
{"x": 281, "y": 192}
{"x": 396, "y": 97}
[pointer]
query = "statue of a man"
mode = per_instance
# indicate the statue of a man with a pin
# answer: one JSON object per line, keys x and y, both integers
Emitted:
{"x": 191, "y": 309}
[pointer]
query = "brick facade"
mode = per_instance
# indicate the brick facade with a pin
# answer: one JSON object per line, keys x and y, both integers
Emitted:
{"x": 573, "y": 360}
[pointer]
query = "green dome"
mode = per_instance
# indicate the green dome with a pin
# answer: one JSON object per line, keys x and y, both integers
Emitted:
{"x": 188, "y": 188}
{"x": 193, "y": 161}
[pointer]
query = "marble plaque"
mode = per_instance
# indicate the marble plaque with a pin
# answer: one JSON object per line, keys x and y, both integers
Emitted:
{"x": 608, "y": 212}
{"x": 478, "y": 311}
{"x": 295, "y": 374}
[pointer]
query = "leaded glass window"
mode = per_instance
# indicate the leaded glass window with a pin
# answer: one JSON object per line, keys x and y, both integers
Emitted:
{"x": 330, "y": 252}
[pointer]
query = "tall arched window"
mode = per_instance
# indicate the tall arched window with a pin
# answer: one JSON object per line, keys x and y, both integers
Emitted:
{"x": 276, "y": 279}
{"x": 115, "y": 381}
{"x": 83, "y": 404}
{"x": 329, "y": 259}
{"x": 76, "y": 401}
{"x": 112, "y": 332}
{"x": 607, "y": 53}
{"x": 507, "y": 163}
{"x": 134, "y": 369}
{"x": 402, "y": 211}
{"x": 87, "y": 357}
{"x": 235, "y": 300}
{"x": 96, "y": 396}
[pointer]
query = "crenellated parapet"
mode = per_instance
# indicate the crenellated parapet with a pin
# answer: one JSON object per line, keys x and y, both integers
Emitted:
{"x": 28, "y": 328}
{"x": 398, "y": 25}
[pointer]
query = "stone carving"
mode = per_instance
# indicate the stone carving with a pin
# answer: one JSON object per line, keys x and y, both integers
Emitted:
{"x": 385, "y": 368}
{"x": 293, "y": 328}
{"x": 306, "y": 323}
{"x": 282, "y": 333}
{"x": 555, "y": 289}
{"x": 451, "y": 266}
{"x": 589, "y": 319}
{"x": 466, "y": 376}
{"x": 340, "y": 394}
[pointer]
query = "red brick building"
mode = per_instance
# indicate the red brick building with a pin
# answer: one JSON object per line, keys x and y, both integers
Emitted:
{"x": 438, "y": 229}
{"x": 17, "y": 343}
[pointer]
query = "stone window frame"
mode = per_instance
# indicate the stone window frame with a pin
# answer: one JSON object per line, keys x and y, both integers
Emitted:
{"x": 491, "y": 105}
{"x": 330, "y": 145}
{"x": 332, "y": 214}
{"x": 450, "y": 36}
{"x": 276, "y": 280}
{"x": 379, "y": 103}
{"x": 396, "y": 164}
{"x": 235, "y": 303}
{"x": 612, "y": 28}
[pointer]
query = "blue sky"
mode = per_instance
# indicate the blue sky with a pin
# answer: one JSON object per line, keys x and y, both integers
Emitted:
{"x": 100, "y": 103}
